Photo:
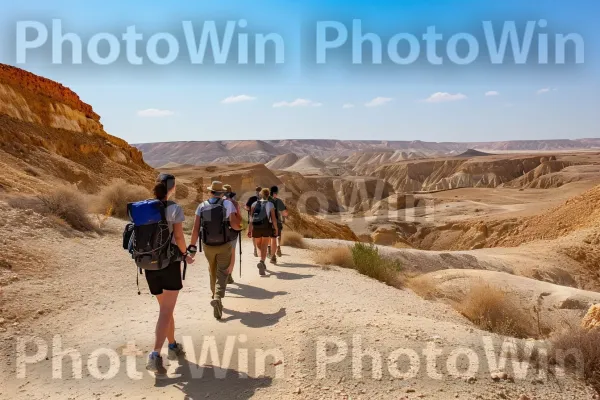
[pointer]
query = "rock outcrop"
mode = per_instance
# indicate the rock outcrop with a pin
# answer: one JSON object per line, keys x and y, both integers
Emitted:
{"x": 49, "y": 136}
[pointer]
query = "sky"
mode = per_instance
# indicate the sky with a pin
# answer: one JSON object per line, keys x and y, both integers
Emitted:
{"x": 350, "y": 95}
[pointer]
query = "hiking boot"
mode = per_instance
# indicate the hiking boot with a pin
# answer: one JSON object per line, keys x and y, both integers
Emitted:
{"x": 274, "y": 259}
{"x": 230, "y": 280}
{"x": 262, "y": 268}
{"x": 155, "y": 364}
{"x": 279, "y": 253}
{"x": 255, "y": 252}
{"x": 175, "y": 351}
{"x": 217, "y": 308}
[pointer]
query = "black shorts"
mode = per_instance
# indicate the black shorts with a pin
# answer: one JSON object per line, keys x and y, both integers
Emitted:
{"x": 263, "y": 233}
{"x": 165, "y": 279}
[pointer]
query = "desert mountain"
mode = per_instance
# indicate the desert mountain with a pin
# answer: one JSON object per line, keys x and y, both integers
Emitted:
{"x": 198, "y": 153}
{"x": 282, "y": 162}
{"x": 49, "y": 136}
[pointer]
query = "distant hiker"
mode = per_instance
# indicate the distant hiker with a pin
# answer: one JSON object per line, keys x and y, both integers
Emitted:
{"x": 263, "y": 226}
{"x": 153, "y": 222}
{"x": 212, "y": 226}
{"x": 235, "y": 221}
{"x": 248, "y": 206}
{"x": 281, "y": 213}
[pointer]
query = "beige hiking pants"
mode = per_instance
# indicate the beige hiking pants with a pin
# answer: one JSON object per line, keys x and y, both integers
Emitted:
{"x": 219, "y": 258}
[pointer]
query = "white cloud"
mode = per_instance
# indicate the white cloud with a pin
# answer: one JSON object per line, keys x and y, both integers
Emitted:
{"x": 492, "y": 93}
{"x": 155, "y": 113}
{"x": 348, "y": 105}
{"x": 443, "y": 97}
{"x": 297, "y": 103}
{"x": 378, "y": 101}
{"x": 546, "y": 90}
{"x": 237, "y": 99}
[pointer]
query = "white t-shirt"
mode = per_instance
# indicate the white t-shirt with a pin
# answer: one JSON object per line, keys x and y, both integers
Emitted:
{"x": 268, "y": 207}
{"x": 229, "y": 206}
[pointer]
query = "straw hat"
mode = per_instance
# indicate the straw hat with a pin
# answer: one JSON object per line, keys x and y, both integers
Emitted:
{"x": 216, "y": 187}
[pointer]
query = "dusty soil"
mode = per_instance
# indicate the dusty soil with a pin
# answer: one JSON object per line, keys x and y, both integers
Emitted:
{"x": 89, "y": 299}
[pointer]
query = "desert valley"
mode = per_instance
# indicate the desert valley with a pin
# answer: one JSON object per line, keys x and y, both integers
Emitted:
{"x": 462, "y": 242}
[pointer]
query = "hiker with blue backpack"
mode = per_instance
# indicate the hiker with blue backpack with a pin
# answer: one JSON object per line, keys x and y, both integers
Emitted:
{"x": 156, "y": 242}
{"x": 213, "y": 228}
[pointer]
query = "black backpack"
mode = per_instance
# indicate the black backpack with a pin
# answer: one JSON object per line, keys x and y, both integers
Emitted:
{"x": 260, "y": 218}
{"x": 147, "y": 237}
{"x": 215, "y": 229}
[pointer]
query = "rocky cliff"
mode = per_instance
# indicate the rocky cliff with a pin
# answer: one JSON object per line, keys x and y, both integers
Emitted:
{"x": 49, "y": 135}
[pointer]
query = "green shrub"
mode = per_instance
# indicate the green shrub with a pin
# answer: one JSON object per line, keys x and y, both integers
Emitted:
{"x": 368, "y": 261}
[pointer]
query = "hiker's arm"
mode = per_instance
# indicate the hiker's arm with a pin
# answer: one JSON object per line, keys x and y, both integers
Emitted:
{"x": 274, "y": 220}
{"x": 195, "y": 231}
{"x": 250, "y": 227}
{"x": 179, "y": 237}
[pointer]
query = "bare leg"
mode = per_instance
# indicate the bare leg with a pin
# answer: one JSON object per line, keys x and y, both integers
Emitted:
{"x": 263, "y": 243}
{"x": 165, "y": 326}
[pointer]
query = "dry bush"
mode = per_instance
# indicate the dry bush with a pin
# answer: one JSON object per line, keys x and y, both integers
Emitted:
{"x": 117, "y": 195}
{"x": 576, "y": 349}
{"x": 368, "y": 261}
{"x": 70, "y": 206}
{"x": 495, "y": 310}
{"x": 338, "y": 256}
{"x": 402, "y": 245}
{"x": 293, "y": 239}
{"x": 424, "y": 286}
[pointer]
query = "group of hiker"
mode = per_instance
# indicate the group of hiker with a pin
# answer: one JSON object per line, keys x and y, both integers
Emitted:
{"x": 157, "y": 243}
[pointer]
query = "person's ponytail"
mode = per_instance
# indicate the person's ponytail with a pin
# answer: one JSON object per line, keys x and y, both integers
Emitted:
{"x": 160, "y": 191}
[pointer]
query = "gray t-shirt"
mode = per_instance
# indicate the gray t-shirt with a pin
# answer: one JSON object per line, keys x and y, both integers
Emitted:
{"x": 174, "y": 215}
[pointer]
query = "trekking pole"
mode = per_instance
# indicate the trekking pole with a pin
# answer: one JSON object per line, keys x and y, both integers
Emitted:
{"x": 240, "y": 237}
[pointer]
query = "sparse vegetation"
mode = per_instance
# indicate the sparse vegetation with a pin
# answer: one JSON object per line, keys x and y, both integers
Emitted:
{"x": 293, "y": 239}
{"x": 368, "y": 261}
{"x": 70, "y": 206}
{"x": 424, "y": 286}
{"x": 577, "y": 350}
{"x": 338, "y": 256}
{"x": 495, "y": 310}
{"x": 117, "y": 195}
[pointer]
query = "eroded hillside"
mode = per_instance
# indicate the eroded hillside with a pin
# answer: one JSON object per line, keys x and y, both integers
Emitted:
{"x": 49, "y": 136}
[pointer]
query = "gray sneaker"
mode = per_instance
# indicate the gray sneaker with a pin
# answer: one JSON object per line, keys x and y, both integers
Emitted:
{"x": 176, "y": 353}
{"x": 155, "y": 364}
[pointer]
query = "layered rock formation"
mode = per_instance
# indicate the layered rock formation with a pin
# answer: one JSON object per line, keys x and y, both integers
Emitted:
{"x": 48, "y": 136}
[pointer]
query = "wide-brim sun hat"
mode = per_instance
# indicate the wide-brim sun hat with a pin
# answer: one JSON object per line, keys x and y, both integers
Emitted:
{"x": 216, "y": 186}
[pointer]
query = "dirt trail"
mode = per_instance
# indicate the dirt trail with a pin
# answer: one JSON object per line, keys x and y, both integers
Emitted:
{"x": 90, "y": 301}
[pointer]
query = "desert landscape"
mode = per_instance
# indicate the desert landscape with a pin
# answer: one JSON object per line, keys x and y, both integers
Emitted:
{"x": 469, "y": 248}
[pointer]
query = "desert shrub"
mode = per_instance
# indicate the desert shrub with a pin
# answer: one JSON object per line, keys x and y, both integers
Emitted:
{"x": 495, "y": 310}
{"x": 70, "y": 206}
{"x": 368, "y": 261}
{"x": 338, "y": 256}
{"x": 424, "y": 286}
{"x": 117, "y": 195}
{"x": 576, "y": 349}
{"x": 293, "y": 239}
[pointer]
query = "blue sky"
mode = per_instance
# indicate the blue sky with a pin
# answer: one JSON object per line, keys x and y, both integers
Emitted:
{"x": 300, "y": 99}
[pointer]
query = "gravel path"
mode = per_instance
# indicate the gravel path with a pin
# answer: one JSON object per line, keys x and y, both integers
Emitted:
{"x": 300, "y": 314}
